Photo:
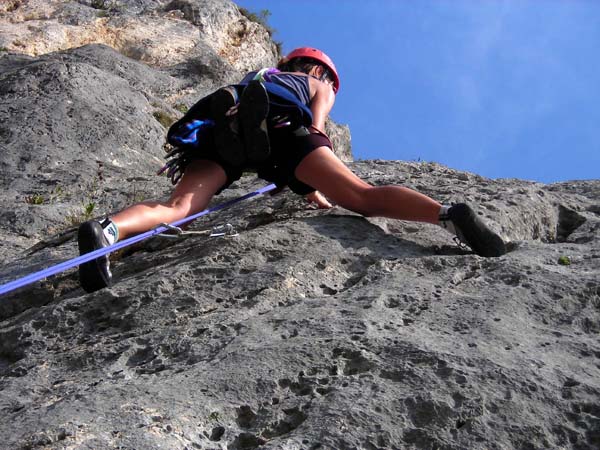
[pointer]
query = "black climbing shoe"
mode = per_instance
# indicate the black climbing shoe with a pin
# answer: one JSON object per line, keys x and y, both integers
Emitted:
{"x": 471, "y": 230}
{"x": 95, "y": 274}
{"x": 253, "y": 111}
{"x": 228, "y": 142}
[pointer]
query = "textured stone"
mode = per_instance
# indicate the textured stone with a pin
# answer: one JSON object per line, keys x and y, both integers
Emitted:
{"x": 75, "y": 126}
{"x": 340, "y": 138}
{"x": 160, "y": 33}
{"x": 310, "y": 329}
{"x": 319, "y": 327}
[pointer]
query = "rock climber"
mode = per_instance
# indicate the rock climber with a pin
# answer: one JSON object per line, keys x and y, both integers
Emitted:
{"x": 248, "y": 130}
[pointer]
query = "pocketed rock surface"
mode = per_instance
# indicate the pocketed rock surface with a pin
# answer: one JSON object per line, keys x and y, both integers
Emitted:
{"x": 316, "y": 329}
{"x": 308, "y": 329}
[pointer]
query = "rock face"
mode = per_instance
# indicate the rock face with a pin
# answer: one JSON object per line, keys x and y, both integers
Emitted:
{"x": 158, "y": 32}
{"x": 78, "y": 123}
{"x": 310, "y": 329}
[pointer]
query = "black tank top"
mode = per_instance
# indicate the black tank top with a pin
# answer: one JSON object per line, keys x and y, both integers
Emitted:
{"x": 297, "y": 84}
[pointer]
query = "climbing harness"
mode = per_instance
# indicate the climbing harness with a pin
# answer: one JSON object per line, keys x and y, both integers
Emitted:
{"x": 74, "y": 262}
{"x": 264, "y": 75}
{"x": 188, "y": 135}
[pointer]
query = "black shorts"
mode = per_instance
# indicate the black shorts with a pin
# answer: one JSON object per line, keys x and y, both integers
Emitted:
{"x": 287, "y": 152}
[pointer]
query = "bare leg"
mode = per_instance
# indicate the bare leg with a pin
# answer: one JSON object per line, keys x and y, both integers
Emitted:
{"x": 193, "y": 193}
{"x": 322, "y": 170}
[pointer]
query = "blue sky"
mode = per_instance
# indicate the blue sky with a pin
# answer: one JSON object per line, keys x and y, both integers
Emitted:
{"x": 505, "y": 89}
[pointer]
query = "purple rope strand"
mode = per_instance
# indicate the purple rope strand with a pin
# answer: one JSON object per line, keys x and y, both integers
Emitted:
{"x": 61, "y": 267}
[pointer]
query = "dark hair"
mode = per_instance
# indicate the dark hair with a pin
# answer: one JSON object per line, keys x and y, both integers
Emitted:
{"x": 304, "y": 65}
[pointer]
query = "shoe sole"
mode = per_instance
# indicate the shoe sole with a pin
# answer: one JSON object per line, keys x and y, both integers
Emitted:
{"x": 253, "y": 111}
{"x": 91, "y": 275}
{"x": 228, "y": 144}
{"x": 481, "y": 239}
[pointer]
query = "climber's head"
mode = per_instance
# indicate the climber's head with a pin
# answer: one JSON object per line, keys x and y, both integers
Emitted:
{"x": 311, "y": 61}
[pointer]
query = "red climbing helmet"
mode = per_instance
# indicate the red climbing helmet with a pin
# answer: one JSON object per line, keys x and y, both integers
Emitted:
{"x": 314, "y": 53}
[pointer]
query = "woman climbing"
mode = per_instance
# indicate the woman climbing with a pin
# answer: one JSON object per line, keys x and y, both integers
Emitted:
{"x": 248, "y": 132}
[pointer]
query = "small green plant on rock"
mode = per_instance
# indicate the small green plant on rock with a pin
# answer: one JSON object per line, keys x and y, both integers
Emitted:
{"x": 564, "y": 260}
{"x": 86, "y": 213}
{"x": 92, "y": 192}
{"x": 57, "y": 193}
{"x": 163, "y": 118}
{"x": 35, "y": 199}
{"x": 261, "y": 18}
{"x": 41, "y": 199}
{"x": 99, "y": 4}
{"x": 88, "y": 210}
{"x": 181, "y": 108}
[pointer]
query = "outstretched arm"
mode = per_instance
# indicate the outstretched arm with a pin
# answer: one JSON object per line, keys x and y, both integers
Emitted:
{"x": 322, "y": 97}
{"x": 321, "y": 103}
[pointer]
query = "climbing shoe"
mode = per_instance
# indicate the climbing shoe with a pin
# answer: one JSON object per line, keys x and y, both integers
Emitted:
{"x": 95, "y": 274}
{"x": 471, "y": 231}
{"x": 228, "y": 142}
{"x": 253, "y": 111}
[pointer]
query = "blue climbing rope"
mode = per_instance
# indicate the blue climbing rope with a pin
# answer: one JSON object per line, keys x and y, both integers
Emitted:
{"x": 61, "y": 267}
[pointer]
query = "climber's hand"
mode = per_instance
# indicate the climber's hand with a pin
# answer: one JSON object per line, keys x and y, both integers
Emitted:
{"x": 319, "y": 199}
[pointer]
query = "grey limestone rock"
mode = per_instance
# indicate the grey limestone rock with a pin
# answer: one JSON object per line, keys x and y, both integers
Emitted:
{"x": 74, "y": 125}
{"x": 340, "y": 138}
{"x": 309, "y": 329}
{"x": 316, "y": 329}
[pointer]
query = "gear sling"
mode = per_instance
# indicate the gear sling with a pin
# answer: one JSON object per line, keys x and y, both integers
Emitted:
{"x": 189, "y": 134}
